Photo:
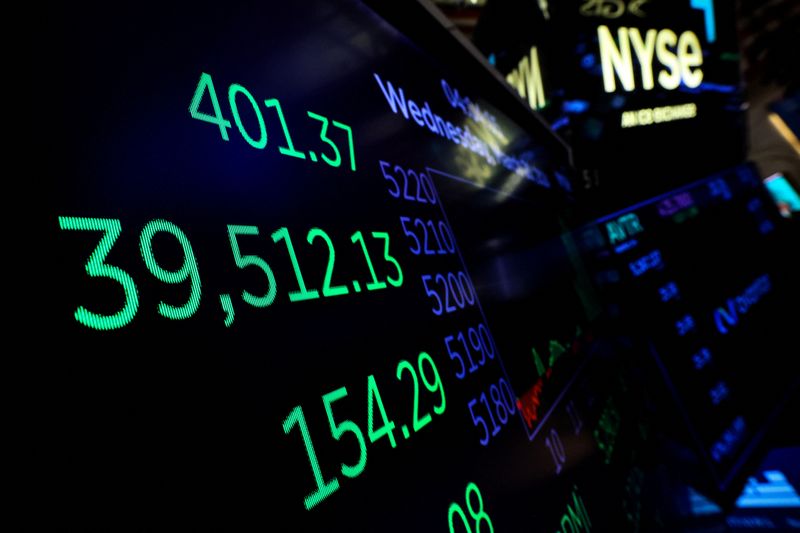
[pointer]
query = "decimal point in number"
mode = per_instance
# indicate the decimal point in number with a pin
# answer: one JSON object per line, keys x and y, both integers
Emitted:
{"x": 312, "y": 155}
{"x": 404, "y": 429}
{"x": 356, "y": 286}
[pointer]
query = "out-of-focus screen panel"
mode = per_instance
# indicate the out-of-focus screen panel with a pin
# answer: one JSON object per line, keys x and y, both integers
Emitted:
{"x": 639, "y": 88}
{"x": 702, "y": 272}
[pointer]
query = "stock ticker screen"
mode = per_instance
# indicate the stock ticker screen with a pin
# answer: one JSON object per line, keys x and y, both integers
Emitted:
{"x": 304, "y": 272}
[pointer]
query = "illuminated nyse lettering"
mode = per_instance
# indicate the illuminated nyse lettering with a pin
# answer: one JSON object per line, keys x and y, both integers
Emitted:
{"x": 725, "y": 317}
{"x": 617, "y": 60}
{"x": 527, "y": 80}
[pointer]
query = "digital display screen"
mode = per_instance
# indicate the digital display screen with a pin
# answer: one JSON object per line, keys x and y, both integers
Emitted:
{"x": 308, "y": 274}
{"x": 301, "y": 270}
{"x": 702, "y": 273}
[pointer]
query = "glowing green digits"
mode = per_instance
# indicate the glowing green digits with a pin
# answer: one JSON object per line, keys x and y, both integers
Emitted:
{"x": 96, "y": 268}
{"x": 478, "y": 515}
{"x": 358, "y": 237}
{"x": 289, "y": 150}
{"x": 456, "y": 509}
{"x": 338, "y": 159}
{"x": 349, "y": 131}
{"x": 337, "y": 430}
{"x": 233, "y": 90}
{"x": 374, "y": 396}
{"x": 327, "y": 290}
{"x": 188, "y": 269}
{"x": 324, "y": 488}
{"x": 243, "y": 261}
{"x": 418, "y": 423}
{"x": 437, "y": 382}
{"x": 385, "y": 236}
{"x": 207, "y": 83}
{"x": 303, "y": 294}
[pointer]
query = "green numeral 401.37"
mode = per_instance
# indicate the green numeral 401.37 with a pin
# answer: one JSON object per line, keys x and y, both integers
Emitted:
{"x": 240, "y": 96}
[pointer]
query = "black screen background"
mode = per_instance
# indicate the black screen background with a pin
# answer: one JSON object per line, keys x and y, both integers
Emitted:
{"x": 179, "y": 422}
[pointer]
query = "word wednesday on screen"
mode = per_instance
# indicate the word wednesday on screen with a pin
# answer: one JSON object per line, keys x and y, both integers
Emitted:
{"x": 462, "y": 136}
{"x": 423, "y": 116}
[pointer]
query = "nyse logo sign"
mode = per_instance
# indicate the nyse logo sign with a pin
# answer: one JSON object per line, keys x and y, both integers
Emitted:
{"x": 676, "y": 58}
